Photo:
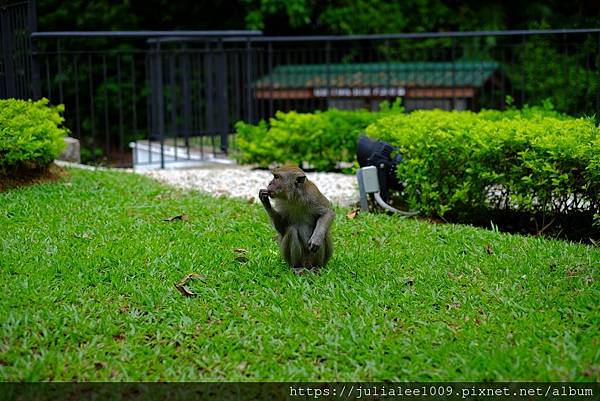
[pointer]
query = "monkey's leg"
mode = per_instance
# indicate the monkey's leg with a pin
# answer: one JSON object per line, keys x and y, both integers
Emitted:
{"x": 291, "y": 248}
{"x": 323, "y": 254}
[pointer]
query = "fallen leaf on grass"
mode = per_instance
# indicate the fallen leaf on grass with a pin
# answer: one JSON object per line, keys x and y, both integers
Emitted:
{"x": 352, "y": 214}
{"x": 83, "y": 235}
{"x": 453, "y": 305}
{"x": 241, "y": 255}
{"x": 180, "y": 285}
{"x": 182, "y": 217}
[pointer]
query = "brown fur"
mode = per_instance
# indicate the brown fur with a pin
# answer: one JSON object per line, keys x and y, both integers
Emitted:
{"x": 302, "y": 216}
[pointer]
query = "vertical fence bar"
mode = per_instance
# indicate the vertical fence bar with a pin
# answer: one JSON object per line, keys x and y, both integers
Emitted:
{"x": 523, "y": 48}
{"x": 173, "y": 96}
{"x": 151, "y": 109}
{"x": 237, "y": 95}
{"x": 236, "y": 89}
{"x": 249, "y": 114}
{"x": 160, "y": 101}
{"x": 59, "y": 65}
{"x": 106, "y": 121}
{"x": 285, "y": 52}
{"x": 92, "y": 108}
{"x": 120, "y": 102}
{"x": 36, "y": 89}
{"x": 202, "y": 95}
{"x": 77, "y": 113}
{"x": 7, "y": 53}
{"x": 566, "y": 68}
{"x": 48, "y": 79}
{"x": 260, "y": 72}
{"x": 150, "y": 116}
{"x": 185, "y": 87}
{"x": 133, "y": 96}
{"x": 222, "y": 98}
{"x": 328, "y": 70}
{"x": 502, "y": 79}
{"x": 453, "y": 56}
{"x": 598, "y": 79}
{"x": 270, "y": 72}
{"x": 209, "y": 94}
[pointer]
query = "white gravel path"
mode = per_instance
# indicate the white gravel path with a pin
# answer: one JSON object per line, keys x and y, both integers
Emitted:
{"x": 243, "y": 182}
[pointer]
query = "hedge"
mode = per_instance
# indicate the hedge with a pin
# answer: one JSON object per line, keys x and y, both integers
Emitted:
{"x": 534, "y": 161}
{"x": 323, "y": 139}
{"x": 31, "y": 133}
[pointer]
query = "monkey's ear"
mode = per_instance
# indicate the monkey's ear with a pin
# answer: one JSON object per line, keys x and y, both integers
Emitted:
{"x": 300, "y": 179}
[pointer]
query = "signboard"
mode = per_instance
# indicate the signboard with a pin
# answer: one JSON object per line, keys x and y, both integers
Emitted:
{"x": 359, "y": 92}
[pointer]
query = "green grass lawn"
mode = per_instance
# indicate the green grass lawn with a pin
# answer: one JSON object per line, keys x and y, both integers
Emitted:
{"x": 88, "y": 266}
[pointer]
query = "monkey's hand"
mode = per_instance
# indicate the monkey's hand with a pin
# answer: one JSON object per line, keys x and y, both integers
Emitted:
{"x": 263, "y": 195}
{"x": 314, "y": 244}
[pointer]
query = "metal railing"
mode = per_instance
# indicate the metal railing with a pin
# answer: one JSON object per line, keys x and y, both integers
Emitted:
{"x": 175, "y": 96}
{"x": 162, "y": 94}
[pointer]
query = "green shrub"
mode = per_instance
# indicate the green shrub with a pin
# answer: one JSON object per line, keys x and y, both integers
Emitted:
{"x": 31, "y": 133}
{"x": 323, "y": 139}
{"x": 530, "y": 161}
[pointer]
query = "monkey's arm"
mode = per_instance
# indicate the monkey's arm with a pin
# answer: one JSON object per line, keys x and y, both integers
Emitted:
{"x": 321, "y": 229}
{"x": 278, "y": 221}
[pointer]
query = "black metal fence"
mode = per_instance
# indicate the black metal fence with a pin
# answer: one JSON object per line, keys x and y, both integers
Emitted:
{"x": 146, "y": 97}
{"x": 17, "y": 21}
{"x": 154, "y": 98}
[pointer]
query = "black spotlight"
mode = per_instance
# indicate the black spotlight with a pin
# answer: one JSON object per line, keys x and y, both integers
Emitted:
{"x": 383, "y": 156}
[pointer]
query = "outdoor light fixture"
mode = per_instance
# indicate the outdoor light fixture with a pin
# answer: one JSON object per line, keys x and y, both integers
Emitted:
{"x": 377, "y": 174}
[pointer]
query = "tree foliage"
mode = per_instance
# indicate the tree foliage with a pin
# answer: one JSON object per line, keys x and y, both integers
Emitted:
{"x": 312, "y": 16}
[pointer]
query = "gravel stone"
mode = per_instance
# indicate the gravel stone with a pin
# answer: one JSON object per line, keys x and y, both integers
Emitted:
{"x": 244, "y": 182}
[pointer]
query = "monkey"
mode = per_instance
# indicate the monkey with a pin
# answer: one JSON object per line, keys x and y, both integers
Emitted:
{"x": 302, "y": 216}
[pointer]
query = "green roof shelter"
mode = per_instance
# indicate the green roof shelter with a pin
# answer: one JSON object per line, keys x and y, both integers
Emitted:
{"x": 443, "y": 85}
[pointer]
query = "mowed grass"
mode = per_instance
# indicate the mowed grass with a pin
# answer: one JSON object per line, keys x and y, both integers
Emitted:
{"x": 88, "y": 267}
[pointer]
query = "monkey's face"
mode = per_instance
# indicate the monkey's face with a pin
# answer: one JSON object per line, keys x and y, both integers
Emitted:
{"x": 276, "y": 186}
{"x": 285, "y": 184}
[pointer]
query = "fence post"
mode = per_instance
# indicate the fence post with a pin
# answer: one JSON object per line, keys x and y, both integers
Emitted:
{"x": 185, "y": 86}
{"x": 222, "y": 98}
{"x": 36, "y": 88}
{"x": 598, "y": 83}
{"x": 328, "y": 69}
{"x": 523, "y": 44}
{"x": 209, "y": 93}
{"x": 453, "y": 73}
{"x": 157, "y": 101}
{"x": 270, "y": 72}
{"x": 7, "y": 53}
{"x": 249, "y": 114}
